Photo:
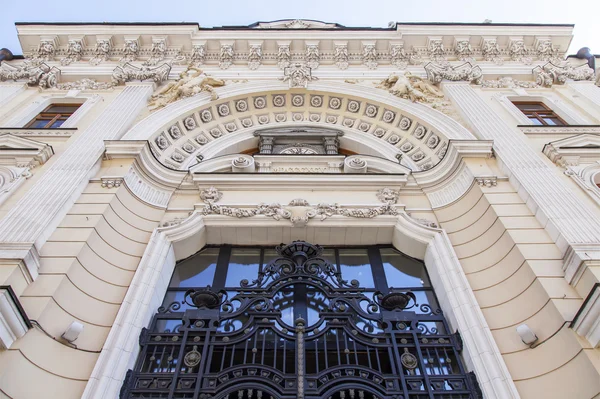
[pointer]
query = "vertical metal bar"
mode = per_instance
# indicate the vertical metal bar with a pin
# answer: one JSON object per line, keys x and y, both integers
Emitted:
{"x": 179, "y": 363}
{"x": 284, "y": 355}
{"x": 204, "y": 363}
{"x": 317, "y": 354}
{"x": 300, "y": 370}
{"x": 337, "y": 344}
{"x": 264, "y": 338}
{"x": 325, "y": 349}
{"x": 377, "y": 270}
{"x": 222, "y": 267}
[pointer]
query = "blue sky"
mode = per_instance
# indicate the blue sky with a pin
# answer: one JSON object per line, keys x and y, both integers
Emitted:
{"x": 376, "y": 13}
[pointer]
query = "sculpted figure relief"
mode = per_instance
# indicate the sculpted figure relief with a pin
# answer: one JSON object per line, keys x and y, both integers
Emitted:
{"x": 411, "y": 87}
{"x": 191, "y": 82}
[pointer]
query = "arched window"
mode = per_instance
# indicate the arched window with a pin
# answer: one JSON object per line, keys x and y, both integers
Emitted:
{"x": 299, "y": 321}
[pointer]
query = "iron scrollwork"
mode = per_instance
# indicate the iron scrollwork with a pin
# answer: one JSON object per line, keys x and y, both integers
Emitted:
{"x": 299, "y": 330}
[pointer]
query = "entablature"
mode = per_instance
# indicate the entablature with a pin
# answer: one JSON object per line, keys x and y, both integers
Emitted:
{"x": 281, "y": 42}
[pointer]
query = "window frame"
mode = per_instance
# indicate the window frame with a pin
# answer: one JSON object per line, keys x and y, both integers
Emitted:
{"x": 537, "y": 114}
{"x": 52, "y": 117}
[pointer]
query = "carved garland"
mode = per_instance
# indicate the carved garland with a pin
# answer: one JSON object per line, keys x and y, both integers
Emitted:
{"x": 299, "y": 211}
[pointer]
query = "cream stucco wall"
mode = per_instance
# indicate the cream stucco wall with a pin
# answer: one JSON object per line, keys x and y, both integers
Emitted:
{"x": 85, "y": 258}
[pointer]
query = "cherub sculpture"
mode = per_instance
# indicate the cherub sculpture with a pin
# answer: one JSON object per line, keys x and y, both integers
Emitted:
{"x": 191, "y": 82}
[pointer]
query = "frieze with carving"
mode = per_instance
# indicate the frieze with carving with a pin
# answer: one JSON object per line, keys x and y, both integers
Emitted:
{"x": 284, "y": 56}
{"x": 45, "y": 51}
{"x": 298, "y": 211}
{"x": 312, "y": 56}
{"x": 86, "y": 84}
{"x": 463, "y": 51}
{"x": 33, "y": 71}
{"x": 341, "y": 56}
{"x": 436, "y": 73}
{"x": 226, "y": 56}
{"x": 101, "y": 52}
{"x": 158, "y": 52}
{"x": 398, "y": 56}
{"x": 198, "y": 54}
{"x": 74, "y": 52}
{"x": 191, "y": 82}
{"x": 255, "y": 56}
{"x": 131, "y": 49}
{"x": 370, "y": 56}
{"x": 561, "y": 73}
{"x": 128, "y": 73}
{"x": 506, "y": 82}
{"x": 491, "y": 51}
{"x": 298, "y": 75}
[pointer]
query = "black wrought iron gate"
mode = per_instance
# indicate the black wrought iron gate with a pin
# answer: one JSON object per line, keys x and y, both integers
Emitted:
{"x": 244, "y": 344}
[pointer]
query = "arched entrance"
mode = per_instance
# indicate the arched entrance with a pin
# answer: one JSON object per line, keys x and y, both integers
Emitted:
{"x": 300, "y": 322}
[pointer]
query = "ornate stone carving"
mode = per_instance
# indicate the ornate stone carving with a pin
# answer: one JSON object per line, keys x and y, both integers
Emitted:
{"x": 463, "y": 50}
{"x": 341, "y": 56}
{"x": 210, "y": 194}
{"x": 560, "y": 73}
{"x": 437, "y": 53}
{"x": 410, "y": 87}
{"x": 491, "y": 51}
{"x": 507, "y": 82}
{"x": 255, "y": 56}
{"x": 131, "y": 50}
{"x": 101, "y": 51}
{"x": 198, "y": 54}
{"x": 86, "y": 84}
{"x": 33, "y": 71}
{"x": 465, "y": 72}
{"x": 398, "y": 56}
{"x": 158, "y": 52}
{"x": 46, "y": 50}
{"x": 544, "y": 50}
{"x": 74, "y": 52}
{"x": 542, "y": 78}
{"x": 370, "y": 56}
{"x": 298, "y": 211}
{"x": 312, "y": 56}
{"x": 298, "y": 75}
{"x": 226, "y": 56}
{"x": 284, "y": 56}
{"x": 111, "y": 182}
{"x": 518, "y": 51}
{"x": 388, "y": 195}
{"x": 128, "y": 72}
{"x": 487, "y": 181}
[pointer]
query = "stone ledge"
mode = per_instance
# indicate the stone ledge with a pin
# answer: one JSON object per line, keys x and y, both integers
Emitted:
{"x": 29, "y": 132}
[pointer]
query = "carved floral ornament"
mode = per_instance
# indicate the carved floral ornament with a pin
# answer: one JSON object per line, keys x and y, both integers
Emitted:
{"x": 299, "y": 211}
{"x": 215, "y": 121}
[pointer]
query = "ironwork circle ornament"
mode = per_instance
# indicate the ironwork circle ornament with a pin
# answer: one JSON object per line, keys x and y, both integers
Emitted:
{"x": 358, "y": 343}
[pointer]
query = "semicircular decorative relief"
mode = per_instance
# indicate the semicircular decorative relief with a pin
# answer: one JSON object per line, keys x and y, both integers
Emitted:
{"x": 185, "y": 139}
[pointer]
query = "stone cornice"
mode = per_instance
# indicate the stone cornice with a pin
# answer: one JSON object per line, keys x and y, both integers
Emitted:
{"x": 581, "y": 148}
{"x": 550, "y": 130}
{"x": 182, "y": 37}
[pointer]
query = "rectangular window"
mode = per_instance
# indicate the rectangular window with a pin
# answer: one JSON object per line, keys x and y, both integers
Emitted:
{"x": 539, "y": 113}
{"x": 53, "y": 116}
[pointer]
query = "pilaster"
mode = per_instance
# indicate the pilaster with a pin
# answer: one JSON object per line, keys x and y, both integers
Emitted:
{"x": 10, "y": 90}
{"x": 568, "y": 220}
{"x": 589, "y": 91}
{"x": 34, "y": 217}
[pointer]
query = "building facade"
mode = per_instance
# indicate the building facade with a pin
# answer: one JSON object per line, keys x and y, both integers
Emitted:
{"x": 298, "y": 209}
